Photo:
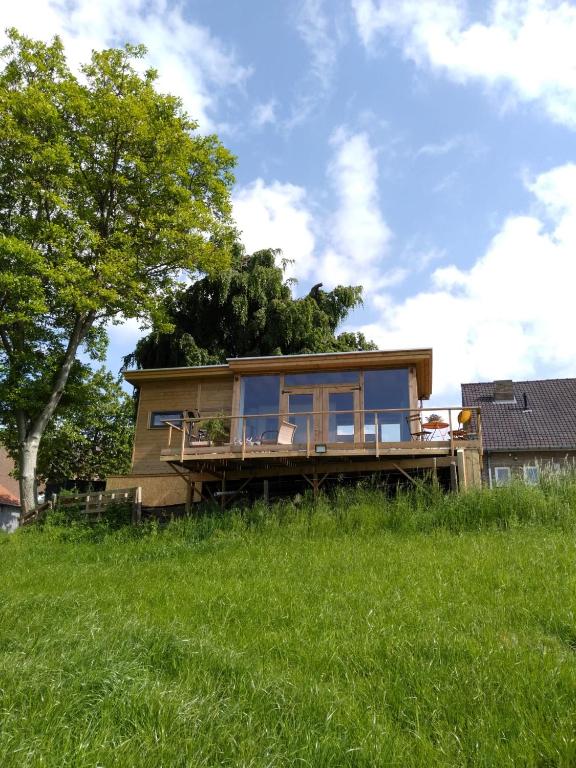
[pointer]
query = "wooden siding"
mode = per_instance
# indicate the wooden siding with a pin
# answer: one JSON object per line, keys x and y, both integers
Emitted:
{"x": 210, "y": 397}
{"x": 157, "y": 490}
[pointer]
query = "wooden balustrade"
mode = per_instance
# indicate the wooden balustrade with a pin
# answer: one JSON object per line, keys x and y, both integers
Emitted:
{"x": 367, "y": 417}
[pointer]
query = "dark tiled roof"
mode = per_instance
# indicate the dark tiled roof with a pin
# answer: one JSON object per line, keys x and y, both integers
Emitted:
{"x": 550, "y": 422}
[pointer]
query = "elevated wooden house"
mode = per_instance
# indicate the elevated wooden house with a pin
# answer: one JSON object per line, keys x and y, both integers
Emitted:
{"x": 243, "y": 426}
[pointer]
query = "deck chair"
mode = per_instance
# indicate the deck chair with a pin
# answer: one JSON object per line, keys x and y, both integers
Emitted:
{"x": 196, "y": 435}
{"x": 284, "y": 435}
{"x": 414, "y": 421}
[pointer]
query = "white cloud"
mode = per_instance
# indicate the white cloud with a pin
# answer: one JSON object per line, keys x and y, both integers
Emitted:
{"x": 316, "y": 30}
{"x": 191, "y": 62}
{"x": 354, "y": 236}
{"x": 511, "y": 314}
{"x": 264, "y": 114}
{"x": 319, "y": 31}
{"x": 527, "y": 45}
{"x": 276, "y": 215}
{"x": 358, "y": 235}
{"x": 466, "y": 142}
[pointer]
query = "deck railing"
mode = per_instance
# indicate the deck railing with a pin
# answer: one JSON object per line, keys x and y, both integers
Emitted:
{"x": 415, "y": 423}
{"x": 92, "y": 506}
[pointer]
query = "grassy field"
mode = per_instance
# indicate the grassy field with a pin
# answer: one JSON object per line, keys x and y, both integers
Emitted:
{"x": 427, "y": 631}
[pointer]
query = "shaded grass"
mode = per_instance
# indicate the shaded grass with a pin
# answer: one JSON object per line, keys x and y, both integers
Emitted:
{"x": 427, "y": 630}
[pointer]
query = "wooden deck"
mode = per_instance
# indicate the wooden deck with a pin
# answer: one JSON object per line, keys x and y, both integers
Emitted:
{"x": 218, "y": 453}
{"x": 230, "y": 463}
{"x": 200, "y": 461}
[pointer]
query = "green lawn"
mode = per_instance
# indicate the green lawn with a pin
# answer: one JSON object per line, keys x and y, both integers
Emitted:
{"x": 329, "y": 638}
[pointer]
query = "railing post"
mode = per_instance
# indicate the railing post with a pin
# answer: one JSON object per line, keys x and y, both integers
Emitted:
{"x": 169, "y": 435}
{"x": 376, "y": 434}
{"x": 451, "y": 432}
{"x": 479, "y": 430}
{"x": 137, "y": 509}
{"x": 182, "y": 442}
{"x": 243, "y": 437}
{"x": 308, "y": 436}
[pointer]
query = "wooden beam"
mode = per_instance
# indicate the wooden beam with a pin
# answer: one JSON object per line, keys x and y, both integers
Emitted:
{"x": 336, "y": 468}
{"x": 405, "y": 474}
{"x": 186, "y": 476}
{"x": 453, "y": 477}
{"x": 328, "y": 467}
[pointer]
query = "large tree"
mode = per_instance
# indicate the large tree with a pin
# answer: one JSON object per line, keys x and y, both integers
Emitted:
{"x": 107, "y": 197}
{"x": 248, "y": 310}
{"x": 91, "y": 433}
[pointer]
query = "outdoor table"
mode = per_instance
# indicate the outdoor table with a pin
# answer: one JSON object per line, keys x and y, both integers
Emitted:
{"x": 431, "y": 427}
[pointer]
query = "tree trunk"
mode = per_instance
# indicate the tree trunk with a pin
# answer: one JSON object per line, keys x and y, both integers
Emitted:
{"x": 28, "y": 456}
{"x": 30, "y": 434}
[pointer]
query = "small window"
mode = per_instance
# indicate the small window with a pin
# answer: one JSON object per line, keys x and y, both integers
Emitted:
{"x": 158, "y": 419}
{"x": 501, "y": 475}
{"x": 531, "y": 474}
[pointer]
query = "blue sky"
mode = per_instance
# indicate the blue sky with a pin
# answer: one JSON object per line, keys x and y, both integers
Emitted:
{"x": 421, "y": 148}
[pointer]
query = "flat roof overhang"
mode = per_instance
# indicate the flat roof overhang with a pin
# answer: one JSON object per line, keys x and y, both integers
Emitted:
{"x": 137, "y": 377}
{"x": 327, "y": 361}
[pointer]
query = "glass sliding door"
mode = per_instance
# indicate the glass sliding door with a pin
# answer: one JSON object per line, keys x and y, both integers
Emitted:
{"x": 339, "y": 417}
{"x": 323, "y": 414}
{"x": 300, "y": 411}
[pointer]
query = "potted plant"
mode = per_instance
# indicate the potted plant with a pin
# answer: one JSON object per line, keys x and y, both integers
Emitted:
{"x": 217, "y": 429}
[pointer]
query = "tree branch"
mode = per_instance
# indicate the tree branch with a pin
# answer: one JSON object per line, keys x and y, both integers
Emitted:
{"x": 81, "y": 328}
{"x": 6, "y": 343}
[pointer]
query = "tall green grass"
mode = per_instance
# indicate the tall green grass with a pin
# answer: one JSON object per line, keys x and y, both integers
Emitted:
{"x": 422, "y": 630}
{"x": 423, "y": 508}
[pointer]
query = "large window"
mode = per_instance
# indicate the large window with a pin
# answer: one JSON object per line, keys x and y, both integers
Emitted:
{"x": 260, "y": 395}
{"x": 315, "y": 378}
{"x": 382, "y": 390}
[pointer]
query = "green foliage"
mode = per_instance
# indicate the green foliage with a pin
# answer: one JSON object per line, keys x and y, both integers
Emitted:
{"x": 90, "y": 436}
{"x": 217, "y": 428}
{"x": 106, "y": 199}
{"x": 306, "y": 634}
{"x": 248, "y": 310}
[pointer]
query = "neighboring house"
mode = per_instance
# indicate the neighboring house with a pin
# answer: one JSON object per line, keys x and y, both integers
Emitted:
{"x": 9, "y": 510}
{"x": 527, "y": 426}
{"x": 6, "y": 469}
{"x": 9, "y": 494}
{"x": 273, "y": 424}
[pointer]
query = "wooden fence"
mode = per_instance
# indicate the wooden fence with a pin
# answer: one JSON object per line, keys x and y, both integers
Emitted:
{"x": 93, "y": 506}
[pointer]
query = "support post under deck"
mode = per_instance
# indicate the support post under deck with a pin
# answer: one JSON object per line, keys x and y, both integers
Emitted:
{"x": 453, "y": 477}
